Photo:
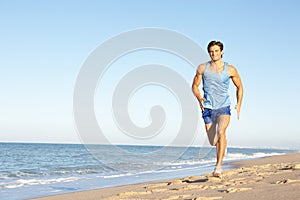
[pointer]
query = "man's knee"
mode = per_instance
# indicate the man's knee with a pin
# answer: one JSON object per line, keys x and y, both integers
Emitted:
{"x": 213, "y": 139}
{"x": 219, "y": 136}
{"x": 221, "y": 132}
{"x": 213, "y": 142}
{"x": 222, "y": 137}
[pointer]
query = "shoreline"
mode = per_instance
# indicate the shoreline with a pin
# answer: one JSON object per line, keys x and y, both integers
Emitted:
{"x": 273, "y": 177}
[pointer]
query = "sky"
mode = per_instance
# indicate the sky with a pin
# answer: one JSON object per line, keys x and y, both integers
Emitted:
{"x": 44, "y": 45}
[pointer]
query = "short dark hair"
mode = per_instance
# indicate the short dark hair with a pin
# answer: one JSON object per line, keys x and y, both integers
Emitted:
{"x": 212, "y": 43}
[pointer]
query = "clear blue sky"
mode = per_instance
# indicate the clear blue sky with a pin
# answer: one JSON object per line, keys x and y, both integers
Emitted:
{"x": 44, "y": 44}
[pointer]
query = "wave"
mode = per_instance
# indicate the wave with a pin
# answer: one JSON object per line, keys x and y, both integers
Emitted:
{"x": 64, "y": 171}
{"x": 165, "y": 168}
{"x": 241, "y": 156}
{"x": 150, "y": 168}
{"x": 228, "y": 157}
{"x": 184, "y": 162}
{"x": 26, "y": 182}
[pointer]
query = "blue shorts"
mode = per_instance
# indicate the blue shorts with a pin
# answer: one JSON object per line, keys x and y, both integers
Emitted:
{"x": 210, "y": 116}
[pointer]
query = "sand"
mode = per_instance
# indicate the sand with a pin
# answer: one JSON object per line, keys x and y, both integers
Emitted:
{"x": 275, "y": 177}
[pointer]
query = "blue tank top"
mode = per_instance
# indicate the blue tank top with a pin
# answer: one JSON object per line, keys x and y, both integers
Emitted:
{"x": 215, "y": 87}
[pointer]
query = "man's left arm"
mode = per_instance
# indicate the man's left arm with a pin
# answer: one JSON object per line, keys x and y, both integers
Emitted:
{"x": 236, "y": 79}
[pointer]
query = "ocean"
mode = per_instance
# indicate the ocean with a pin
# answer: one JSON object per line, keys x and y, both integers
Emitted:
{"x": 29, "y": 170}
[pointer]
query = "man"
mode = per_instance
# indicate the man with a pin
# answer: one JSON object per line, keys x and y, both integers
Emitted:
{"x": 215, "y": 103}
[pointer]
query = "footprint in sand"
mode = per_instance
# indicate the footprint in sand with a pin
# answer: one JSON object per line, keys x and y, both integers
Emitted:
{"x": 176, "y": 182}
{"x": 286, "y": 181}
{"x": 231, "y": 190}
{"x": 207, "y": 198}
{"x": 157, "y": 190}
{"x": 296, "y": 166}
{"x": 198, "y": 180}
{"x": 133, "y": 193}
{"x": 174, "y": 197}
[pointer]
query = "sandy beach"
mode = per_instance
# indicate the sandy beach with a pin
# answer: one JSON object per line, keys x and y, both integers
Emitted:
{"x": 275, "y": 177}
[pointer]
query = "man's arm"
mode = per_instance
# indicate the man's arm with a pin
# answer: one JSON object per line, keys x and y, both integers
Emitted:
{"x": 236, "y": 79}
{"x": 196, "y": 83}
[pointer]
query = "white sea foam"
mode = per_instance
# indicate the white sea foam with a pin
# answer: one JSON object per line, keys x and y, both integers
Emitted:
{"x": 184, "y": 162}
{"x": 24, "y": 182}
{"x": 165, "y": 167}
{"x": 228, "y": 157}
{"x": 239, "y": 156}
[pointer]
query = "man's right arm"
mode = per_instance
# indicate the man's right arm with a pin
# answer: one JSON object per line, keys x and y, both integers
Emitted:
{"x": 196, "y": 83}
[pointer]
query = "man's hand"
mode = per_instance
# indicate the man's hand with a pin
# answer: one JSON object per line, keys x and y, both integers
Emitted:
{"x": 238, "y": 108}
{"x": 201, "y": 103}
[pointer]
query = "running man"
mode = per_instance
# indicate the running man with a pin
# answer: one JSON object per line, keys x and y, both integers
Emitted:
{"x": 215, "y": 76}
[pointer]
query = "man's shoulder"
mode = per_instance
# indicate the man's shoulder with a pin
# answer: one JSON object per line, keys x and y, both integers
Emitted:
{"x": 231, "y": 67}
{"x": 201, "y": 68}
{"x": 232, "y": 70}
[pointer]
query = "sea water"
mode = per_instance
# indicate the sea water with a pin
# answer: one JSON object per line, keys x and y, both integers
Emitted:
{"x": 29, "y": 170}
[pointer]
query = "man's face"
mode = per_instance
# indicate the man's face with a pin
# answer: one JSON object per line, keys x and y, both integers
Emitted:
{"x": 215, "y": 53}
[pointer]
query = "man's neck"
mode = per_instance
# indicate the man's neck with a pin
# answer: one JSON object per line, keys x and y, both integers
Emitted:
{"x": 218, "y": 63}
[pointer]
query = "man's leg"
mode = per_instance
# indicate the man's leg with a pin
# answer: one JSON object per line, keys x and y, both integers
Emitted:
{"x": 223, "y": 122}
{"x": 212, "y": 133}
{"x": 210, "y": 126}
